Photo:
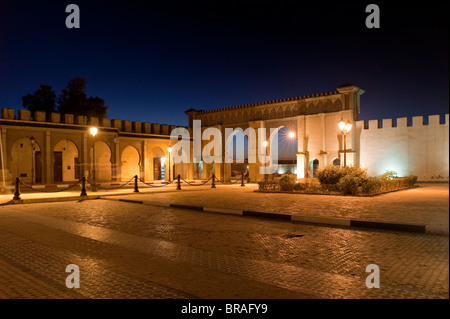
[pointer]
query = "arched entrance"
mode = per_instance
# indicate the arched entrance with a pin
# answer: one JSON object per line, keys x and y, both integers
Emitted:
{"x": 337, "y": 162}
{"x": 102, "y": 162}
{"x": 158, "y": 163}
{"x": 130, "y": 163}
{"x": 66, "y": 166}
{"x": 27, "y": 160}
{"x": 313, "y": 167}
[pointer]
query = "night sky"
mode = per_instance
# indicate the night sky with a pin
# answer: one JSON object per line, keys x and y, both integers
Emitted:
{"x": 151, "y": 61}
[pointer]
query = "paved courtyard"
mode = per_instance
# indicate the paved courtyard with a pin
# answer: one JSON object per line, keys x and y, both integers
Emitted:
{"x": 127, "y": 250}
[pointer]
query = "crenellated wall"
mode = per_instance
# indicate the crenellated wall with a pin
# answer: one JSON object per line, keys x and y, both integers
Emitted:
{"x": 417, "y": 146}
{"x": 121, "y": 125}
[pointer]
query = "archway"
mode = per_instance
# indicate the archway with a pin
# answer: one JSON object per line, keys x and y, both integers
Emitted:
{"x": 27, "y": 160}
{"x": 287, "y": 149}
{"x": 66, "y": 166}
{"x": 313, "y": 167}
{"x": 337, "y": 162}
{"x": 236, "y": 155}
{"x": 158, "y": 162}
{"x": 102, "y": 162}
{"x": 130, "y": 163}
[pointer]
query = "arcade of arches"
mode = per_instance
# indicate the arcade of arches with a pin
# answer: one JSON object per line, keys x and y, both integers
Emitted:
{"x": 55, "y": 148}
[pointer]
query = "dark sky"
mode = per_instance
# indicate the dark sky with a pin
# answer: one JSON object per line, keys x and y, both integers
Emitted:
{"x": 151, "y": 60}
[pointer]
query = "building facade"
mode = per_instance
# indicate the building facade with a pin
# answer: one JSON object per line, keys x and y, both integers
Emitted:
{"x": 55, "y": 148}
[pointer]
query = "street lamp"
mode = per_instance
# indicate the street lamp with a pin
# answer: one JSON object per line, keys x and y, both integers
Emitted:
{"x": 345, "y": 128}
{"x": 292, "y": 136}
{"x": 170, "y": 150}
{"x": 265, "y": 154}
{"x": 32, "y": 140}
{"x": 93, "y": 131}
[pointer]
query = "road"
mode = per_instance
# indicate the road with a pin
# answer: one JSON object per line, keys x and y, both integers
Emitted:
{"x": 126, "y": 250}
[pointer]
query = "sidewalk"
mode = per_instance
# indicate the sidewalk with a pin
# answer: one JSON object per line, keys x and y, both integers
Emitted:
{"x": 423, "y": 209}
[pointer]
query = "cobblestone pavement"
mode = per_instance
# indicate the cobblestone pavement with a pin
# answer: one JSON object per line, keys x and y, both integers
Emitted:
{"x": 127, "y": 250}
{"x": 427, "y": 204}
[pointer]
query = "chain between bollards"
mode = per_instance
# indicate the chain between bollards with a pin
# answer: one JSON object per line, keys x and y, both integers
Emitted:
{"x": 17, "y": 189}
{"x": 83, "y": 186}
{"x": 179, "y": 182}
{"x": 213, "y": 185}
{"x": 136, "y": 189}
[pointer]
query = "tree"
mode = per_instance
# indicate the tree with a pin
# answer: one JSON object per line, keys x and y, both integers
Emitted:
{"x": 43, "y": 99}
{"x": 73, "y": 100}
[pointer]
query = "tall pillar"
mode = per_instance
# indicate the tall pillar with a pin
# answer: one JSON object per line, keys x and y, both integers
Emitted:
{"x": 301, "y": 164}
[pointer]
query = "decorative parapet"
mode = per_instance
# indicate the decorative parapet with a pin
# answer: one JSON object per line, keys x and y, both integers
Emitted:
{"x": 70, "y": 119}
{"x": 416, "y": 121}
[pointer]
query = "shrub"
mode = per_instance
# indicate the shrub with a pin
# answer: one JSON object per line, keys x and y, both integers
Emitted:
{"x": 372, "y": 186}
{"x": 358, "y": 173}
{"x": 330, "y": 175}
{"x": 410, "y": 180}
{"x": 269, "y": 185}
{"x": 388, "y": 175}
{"x": 349, "y": 184}
{"x": 287, "y": 183}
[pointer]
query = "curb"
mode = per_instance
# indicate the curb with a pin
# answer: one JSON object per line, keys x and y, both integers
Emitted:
{"x": 326, "y": 221}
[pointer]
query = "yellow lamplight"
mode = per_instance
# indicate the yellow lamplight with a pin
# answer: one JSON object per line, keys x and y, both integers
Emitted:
{"x": 348, "y": 127}
{"x": 169, "y": 149}
{"x": 291, "y": 134}
{"x": 93, "y": 131}
{"x": 342, "y": 125}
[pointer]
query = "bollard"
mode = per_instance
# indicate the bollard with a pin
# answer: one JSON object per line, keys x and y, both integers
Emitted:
{"x": 17, "y": 189}
{"x": 213, "y": 185}
{"x": 83, "y": 186}
{"x": 136, "y": 189}
{"x": 242, "y": 183}
{"x": 179, "y": 182}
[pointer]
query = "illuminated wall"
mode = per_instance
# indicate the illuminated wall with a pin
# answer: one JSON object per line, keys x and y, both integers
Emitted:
{"x": 416, "y": 148}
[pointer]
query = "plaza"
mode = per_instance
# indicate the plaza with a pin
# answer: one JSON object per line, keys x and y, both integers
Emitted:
{"x": 131, "y": 245}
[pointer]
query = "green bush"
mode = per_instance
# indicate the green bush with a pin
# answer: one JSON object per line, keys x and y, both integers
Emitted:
{"x": 372, "y": 186}
{"x": 330, "y": 175}
{"x": 388, "y": 175}
{"x": 349, "y": 184}
{"x": 358, "y": 173}
{"x": 287, "y": 183}
{"x": 270, "y": 185}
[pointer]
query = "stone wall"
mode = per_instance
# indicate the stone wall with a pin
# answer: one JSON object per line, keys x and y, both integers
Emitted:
{"x": 417, "y": 146}
{"x": 120, "y": 125}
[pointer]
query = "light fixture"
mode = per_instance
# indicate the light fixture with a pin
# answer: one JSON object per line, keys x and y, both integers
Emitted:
{"x": 169, "y": 149}
{"x": 93, "y": 131}
{"x": 291, "y": 134}
{"x": 265, "y": 143}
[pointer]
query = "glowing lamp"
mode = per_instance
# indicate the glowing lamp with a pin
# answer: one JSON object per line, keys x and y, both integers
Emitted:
{"x": 93, "y": 131}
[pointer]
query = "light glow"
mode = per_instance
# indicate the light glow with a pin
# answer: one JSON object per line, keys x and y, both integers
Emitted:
{"x": 169, "y": 149}
{"x": 265, "y": 143}
{"x": 291, "y": 134}
{"x": 93, "y": 131}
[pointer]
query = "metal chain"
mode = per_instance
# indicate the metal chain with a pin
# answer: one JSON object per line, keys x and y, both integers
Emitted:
{"x": 108, "y": 188}
{"x": 50, "y": 191}
{"x": 195, "y": 184}
{"x": 231, "y": 183}
{"x": 155, "y": 185}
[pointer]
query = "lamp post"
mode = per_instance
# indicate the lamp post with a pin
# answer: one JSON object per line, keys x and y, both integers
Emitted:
{"x": 292, "y": 136}
{"x": 93, "y": 131}
{"x": 265, "y": 159}
{"x": 345, "y": 129}
{"x": 170, "y": 150}
{"x": 32, "y": 140}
